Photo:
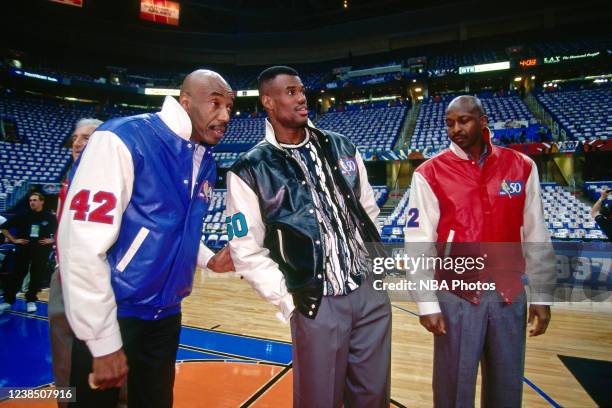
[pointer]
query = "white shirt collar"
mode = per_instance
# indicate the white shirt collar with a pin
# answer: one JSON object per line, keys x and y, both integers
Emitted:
{"x": 176, "y": 118}
{"x": 271, "y": 137}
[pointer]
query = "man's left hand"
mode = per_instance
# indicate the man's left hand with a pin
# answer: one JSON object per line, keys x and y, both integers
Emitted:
{"x": 46, "y": 241}
{"x": 539, "y": 317}
{"x": 221, "y": 261}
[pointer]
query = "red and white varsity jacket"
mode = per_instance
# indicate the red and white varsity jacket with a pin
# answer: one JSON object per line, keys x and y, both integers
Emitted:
{"x": 455, "y": 200}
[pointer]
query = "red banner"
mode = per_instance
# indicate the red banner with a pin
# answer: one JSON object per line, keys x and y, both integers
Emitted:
{"x": 160, "y": 11}
{"x": 76, "y": 3}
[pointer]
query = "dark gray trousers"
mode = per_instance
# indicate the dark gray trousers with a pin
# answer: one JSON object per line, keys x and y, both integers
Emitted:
{"x": 344, "y": 354}
{"x": 491, "y": 333}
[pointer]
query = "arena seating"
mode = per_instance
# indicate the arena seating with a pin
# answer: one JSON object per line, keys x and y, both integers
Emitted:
{"x": 376, "y": 127}
{"x": 430, "y": 129}
{"x": 42, "y": 126}
{"x": 565, "y": 216}
{"x": 584, "y": 114}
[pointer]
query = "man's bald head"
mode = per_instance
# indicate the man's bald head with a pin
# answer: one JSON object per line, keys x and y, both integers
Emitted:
{"x": 202, "y": 78}
{"x": 466, "y": 103}
{"x": 208, "y": 99}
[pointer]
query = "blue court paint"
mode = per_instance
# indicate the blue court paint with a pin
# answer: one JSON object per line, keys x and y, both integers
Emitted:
{"x": 542, "y": 393}
{"x": 25, "y": 353}
{"x": 236, "y": 345}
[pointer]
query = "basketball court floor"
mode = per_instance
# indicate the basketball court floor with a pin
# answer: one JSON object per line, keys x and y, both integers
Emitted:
{"x": 234, "y": 353}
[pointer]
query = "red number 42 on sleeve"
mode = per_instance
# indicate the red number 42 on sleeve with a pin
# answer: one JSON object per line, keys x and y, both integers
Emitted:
{"x": 80, "y": 206}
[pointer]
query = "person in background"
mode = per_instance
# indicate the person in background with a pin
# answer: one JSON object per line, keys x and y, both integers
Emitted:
{"x": 35, "y": 230}
{"x": 601, "y": 214}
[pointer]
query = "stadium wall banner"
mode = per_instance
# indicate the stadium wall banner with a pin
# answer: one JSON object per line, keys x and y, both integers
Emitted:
{"x": 160, "y": 11}
{"x": 474, "y": 69}
{"x": 564, "y": 58}
{"x": 76, "y": 3}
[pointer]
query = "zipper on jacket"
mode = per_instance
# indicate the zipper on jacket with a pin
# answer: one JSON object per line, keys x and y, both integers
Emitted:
{"x": 281, "y": 245}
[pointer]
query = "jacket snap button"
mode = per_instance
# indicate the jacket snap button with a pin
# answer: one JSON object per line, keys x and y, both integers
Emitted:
{"x": 335, "y": 167}
{"x": 319, "y": 276}
{"x": 318, "y": 242}
{"x": 313, "y": 306}
{"x": 189, "y": 146}
{"x": 310, "y": 313}
{"x": 186, "y": 181}
{"x": 303, "y": 182}
{"x": 311, "y": 211}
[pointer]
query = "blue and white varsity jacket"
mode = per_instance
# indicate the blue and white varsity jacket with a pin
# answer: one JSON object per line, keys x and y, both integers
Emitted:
{"x": 129, "y": 234}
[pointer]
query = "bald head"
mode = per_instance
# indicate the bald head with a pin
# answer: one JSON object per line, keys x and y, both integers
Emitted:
{"x": 202, "y": 78}
{"x": 466, "y": 103}
{"x": 208, "y": 99}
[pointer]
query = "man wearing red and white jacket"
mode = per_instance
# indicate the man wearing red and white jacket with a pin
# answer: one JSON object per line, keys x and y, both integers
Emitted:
{"x": 478, "y": 199}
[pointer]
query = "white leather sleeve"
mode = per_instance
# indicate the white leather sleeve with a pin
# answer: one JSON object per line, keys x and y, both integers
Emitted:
{"x": 540, "y": 260}
{"x": 251, "y": 259}
{"x": 420, "y": 235}
{"x": 106, "y": 166}
{"x": 366, "y": 193}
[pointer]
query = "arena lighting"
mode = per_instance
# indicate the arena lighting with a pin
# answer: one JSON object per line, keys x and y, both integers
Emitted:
{"x": 417, "y": 89}
{"x": 420, "y": 97}
{"x": 474, "y": 69}
{"x": 247, "y": 93}
{"x": 533, "y": 77}
{"x": 162, "y": 91}
{"x": 332, "y": 98}
{"x": 320, "y": 100}
{"x": 237, "y": 113}
{"x": 518, "y": 79}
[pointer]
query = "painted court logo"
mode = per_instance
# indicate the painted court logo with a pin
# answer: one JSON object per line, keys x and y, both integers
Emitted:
{"x": 511, "y": 188}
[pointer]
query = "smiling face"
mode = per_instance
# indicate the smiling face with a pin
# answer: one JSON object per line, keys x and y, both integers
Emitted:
{"x": 208, "y": 101}
{"x": 285, "y": 101}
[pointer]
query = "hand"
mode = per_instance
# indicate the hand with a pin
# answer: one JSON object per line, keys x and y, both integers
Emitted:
{"x": 46, "y": 241}
{"x": 109, "y": 371}
{"x": 221, "y": 261}
{"x": 541, "y": 314}
{"x": 21, "y": 241}
{"x": 434, "y": 323}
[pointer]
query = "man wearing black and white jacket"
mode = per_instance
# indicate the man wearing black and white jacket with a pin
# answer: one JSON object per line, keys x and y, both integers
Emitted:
{"x": 300, "y": 213}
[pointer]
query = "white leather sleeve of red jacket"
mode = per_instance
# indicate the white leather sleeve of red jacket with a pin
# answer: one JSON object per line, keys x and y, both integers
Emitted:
{"x": 420, "y": 237}
{"x": 366, "y": 192}
{"x": 106, "y": 165}
{"x": 251, "y": 259}
{"x": 540, "y": 260}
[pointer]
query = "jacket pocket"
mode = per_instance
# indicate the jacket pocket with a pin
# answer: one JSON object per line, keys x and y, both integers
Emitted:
{"x": 134, "y": 247}
{"x": 280, "y": 245}
{"x": 449, "y": 243}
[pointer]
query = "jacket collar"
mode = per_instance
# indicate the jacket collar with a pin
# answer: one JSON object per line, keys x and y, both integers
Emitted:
{"x": 176, "y": 118}
{"x": 463, "y": 155}
{"x": 271, "y": 137}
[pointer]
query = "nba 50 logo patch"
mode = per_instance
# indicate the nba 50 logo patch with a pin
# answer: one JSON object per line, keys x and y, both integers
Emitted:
{"x": 348, "y": 166}
{"x": 511, "y": 188}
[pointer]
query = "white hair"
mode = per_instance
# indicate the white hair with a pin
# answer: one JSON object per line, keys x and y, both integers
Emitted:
{"x": 87, "y": 122}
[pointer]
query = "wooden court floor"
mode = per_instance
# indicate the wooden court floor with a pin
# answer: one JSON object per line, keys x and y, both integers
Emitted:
{"x": 227, "y": 305}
